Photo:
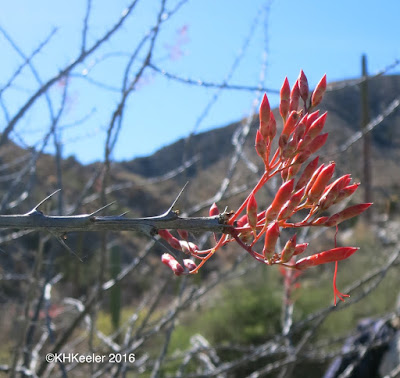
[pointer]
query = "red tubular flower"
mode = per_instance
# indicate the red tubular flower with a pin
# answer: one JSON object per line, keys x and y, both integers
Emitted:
{"x": 170, "y": 261}
{"x": 332, "y": 255}
{"x": 319, "y": 92}
{"x": 303, "y": 86}
{"x": 271, "y": 237}
{"x": 347, "y": 213}
{"x": 285, "y": 99}
{"x": 321, "y": 182}
{"x": 252, "y": 212}
{"x": 288, "y": 250}
{"x": 282, "y": 195}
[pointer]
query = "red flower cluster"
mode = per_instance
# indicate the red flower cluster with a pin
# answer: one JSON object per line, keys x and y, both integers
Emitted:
{"x": 311, "y": 194}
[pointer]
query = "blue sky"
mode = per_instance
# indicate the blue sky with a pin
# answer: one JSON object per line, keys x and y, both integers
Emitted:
{"x": 316, "y": 36}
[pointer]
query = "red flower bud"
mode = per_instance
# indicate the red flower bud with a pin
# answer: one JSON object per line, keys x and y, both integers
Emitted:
{"x": 315, "y": 128}
{"x": 300, "y": 248}
{"x": 290, "y": 123}
{"x": 321, "y": 182}
{"x": 307, "y": 173}
{"x": 285, "y": 99}
{"x": 319, "y": 92}
{"x": 294, "y": 97}
{"x": 213, "y": 210}
{"x": 332, "y": 191}
{"x": 288, "y": 249}
{"x": 282, "y": 195}
{"x": 271, "y": 237}
{"x": 183, "y": 234}
{"x": 317, "y": 143}
{"x": 261, "y": 147}
{"x": 314, "y": 176}
{"x": 265, "y": 109}
{"x": 347, "y": 213}
{"x": 252, "y": 211}
{"x": 303, "y": 86}
{"x": 311, "y": 118}
{"x": 287, "y": 210}
{"x": 346, "y": 192}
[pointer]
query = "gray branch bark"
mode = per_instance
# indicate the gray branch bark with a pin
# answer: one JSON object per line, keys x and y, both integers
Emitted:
{"x": 36, "y": 220}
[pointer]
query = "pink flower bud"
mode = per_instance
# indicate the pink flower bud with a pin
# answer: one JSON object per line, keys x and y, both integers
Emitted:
{"x": 170, "y": 239}
{"x": 319, "y": 92}
{"x": 170, "y": 261}
{"x": 188, "y": 247}
{"x": 189, "y": 264}
{"x": 285, "y": 99}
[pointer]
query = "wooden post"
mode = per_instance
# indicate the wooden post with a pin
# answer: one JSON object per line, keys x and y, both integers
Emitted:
{"x": 365, "y": 118}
